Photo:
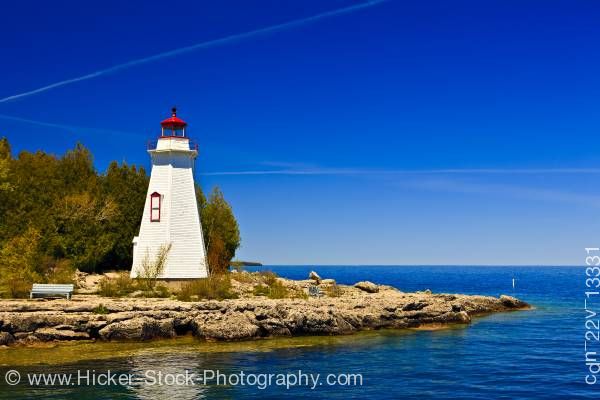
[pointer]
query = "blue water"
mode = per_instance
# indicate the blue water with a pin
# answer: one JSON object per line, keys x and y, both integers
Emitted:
{"x": 535, "y": 354}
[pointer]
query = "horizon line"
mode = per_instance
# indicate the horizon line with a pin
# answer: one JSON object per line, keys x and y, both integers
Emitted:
{"x": 316, "y": 265}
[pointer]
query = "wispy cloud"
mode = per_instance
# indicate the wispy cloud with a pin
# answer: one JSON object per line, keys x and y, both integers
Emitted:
{"x": 69, "y": 128}
{"x": 451, "y": 181}
{"x": 507, "y": 190}
{"x": 203, "y": 45}
{"x": 373, "y": 172}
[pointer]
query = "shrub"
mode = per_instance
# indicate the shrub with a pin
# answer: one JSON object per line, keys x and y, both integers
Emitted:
{"x": 275, "y": 289}
{"x": 243, "y": 277}
{"x": 278, "y": 291}
{"x": 261, "y": 290}
{"x": 268, "y": 277}
{"x": 215, "y": 287}
{"x": 59, "y": 271}
{"x": 120, "y": 286}
{"x": 108, "y": 288}
{"x": 333, "y": 291}
{"x": 152, "y": 269}
{"x": 160, "y": 291}
{"x": 100, "y": 309}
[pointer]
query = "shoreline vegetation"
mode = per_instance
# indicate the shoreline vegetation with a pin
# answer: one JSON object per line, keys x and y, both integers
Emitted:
{"x": 237, "y": 311}
{"x": 59, "y": 215}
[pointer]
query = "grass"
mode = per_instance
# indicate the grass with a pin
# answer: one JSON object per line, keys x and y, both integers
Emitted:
{"x": 100, "y": 309}
{"x": 123, "y": 286}
{"x": 120, "y": 286}
{"x": 267, "y": 277}
{"x": 215, "y": 287}
{"x": 242, "y": 277}
{"x": 333, "y": 291}
{"x": 273, "y": 288}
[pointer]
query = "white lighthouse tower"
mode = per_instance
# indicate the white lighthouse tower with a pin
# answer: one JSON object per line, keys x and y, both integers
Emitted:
{"x": 171, "y": 213}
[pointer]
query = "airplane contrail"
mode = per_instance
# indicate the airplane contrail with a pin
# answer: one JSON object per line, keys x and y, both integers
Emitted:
{"x": 65, "y": 127}
{"x": 198, "y": 46}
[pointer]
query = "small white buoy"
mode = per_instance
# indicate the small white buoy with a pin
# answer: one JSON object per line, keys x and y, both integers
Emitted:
{"x": 513, "y": 283}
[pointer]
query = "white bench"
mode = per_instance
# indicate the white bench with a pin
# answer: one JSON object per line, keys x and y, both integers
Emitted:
{"x": 43, "y": 289}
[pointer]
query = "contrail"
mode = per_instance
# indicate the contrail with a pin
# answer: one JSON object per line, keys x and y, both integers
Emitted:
{"x": 455, "y": 171}
{"x": 198, "y": 46}
{"x": 64, "y": 127}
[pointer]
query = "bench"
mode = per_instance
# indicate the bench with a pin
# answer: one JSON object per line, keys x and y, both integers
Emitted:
{"x": 314, "y": 291}
{"x": 52, "y": 289}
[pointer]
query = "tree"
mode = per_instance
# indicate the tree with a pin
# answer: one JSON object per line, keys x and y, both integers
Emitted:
{"x": 5, "y": 158}
{"x": 221, "y": 232}
{"x": 126, "y": 186}
{"x": 21, "y": 262}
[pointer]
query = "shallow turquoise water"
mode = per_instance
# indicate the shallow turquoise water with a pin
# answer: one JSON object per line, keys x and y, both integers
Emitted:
{"x": 535, "y": 354}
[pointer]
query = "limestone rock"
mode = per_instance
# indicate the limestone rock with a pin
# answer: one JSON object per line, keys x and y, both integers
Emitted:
{"x": 49, "y": 334}
{"x": 6, "y": 339}
{"x": 464, "y": 317}
{"x": 314, "y": 276}
{"x": 457, "y": 307}
{"x": 143, "y": 328}
{"x": 512, "y": 302}
{"x": 327, "y": 282}
{"x": 29, "y": 322}
{"x": 367, "y": 286}
{"x": 234, "y": 326}
{"x": 415, "y": 306}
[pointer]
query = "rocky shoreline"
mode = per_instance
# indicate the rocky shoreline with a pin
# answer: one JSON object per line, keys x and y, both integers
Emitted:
{"x": 93, "y": 318}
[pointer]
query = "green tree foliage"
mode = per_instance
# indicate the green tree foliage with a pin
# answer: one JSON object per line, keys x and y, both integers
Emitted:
{"x": 58, "y": 214}
{"x": 5, "y": 159}
{"x": 221, "y": 232}
{"x": 126, "y": 186}
{"x": 21, "y": 263}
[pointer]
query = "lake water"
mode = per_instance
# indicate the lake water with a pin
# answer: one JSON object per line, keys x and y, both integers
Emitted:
{"x": 537, "y": 354}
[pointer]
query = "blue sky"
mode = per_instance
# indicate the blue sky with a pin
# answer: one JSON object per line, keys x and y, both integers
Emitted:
{"x": 428, "y": 132}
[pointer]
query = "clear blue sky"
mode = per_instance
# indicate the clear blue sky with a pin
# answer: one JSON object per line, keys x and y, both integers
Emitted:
{"x": 431, "y": 132}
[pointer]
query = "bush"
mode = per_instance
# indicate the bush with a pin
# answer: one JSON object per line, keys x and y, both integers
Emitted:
{"x": 120, "y": 286}
{"x": 242, "y": 277}
{"x": 215, "y": 287}
{"x": 333, "y": 291}
{"x": 151, "y": 269}
{"x": 261, "y": 290}
{"x": 59, "y": 271}
{"x": 108, "y": 288}
{"x": 100, "y": 309}
{"x": 278, "y": 291}
{"x": 268, "y": 277}
{"x": 160, "y": 291}
{"x": 273, "y": 288}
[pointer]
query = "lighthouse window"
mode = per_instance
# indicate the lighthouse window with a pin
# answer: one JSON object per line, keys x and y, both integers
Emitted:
{"x": 155, "y": 207}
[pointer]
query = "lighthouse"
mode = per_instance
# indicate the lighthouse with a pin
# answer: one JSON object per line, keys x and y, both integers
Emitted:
{"x": 171, "y": 219}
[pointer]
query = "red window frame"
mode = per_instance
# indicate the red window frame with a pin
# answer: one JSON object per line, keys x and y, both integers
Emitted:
{"x": 153, "y": 196}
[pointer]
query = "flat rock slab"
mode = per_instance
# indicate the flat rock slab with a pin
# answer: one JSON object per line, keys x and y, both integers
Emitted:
{"x": 366, "y": 306}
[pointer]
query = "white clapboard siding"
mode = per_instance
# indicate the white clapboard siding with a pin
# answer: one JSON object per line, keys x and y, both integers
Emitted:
{"x": 172, "y": 177}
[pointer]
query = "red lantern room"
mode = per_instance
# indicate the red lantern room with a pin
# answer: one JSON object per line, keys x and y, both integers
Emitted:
{"x": 173, "y": 126}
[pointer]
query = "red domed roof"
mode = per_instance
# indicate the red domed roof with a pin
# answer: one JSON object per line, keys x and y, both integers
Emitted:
{"x": 173, "y": 122}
